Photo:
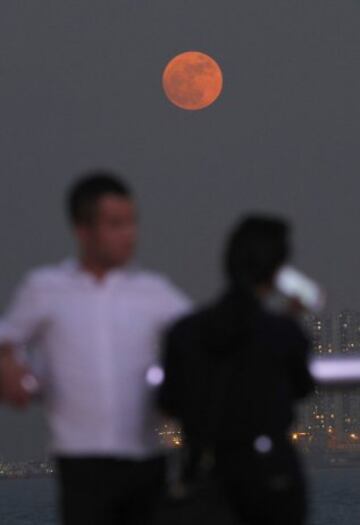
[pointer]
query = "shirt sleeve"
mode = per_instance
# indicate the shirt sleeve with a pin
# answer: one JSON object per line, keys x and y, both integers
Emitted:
{"x": 25, "y": 317}
{"x": 176, "y": 305}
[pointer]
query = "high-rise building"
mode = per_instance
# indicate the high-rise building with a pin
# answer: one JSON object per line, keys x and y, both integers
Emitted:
{"x": 317, "y": 415}
{"x": 329, "y": 413}
{"x": 349, "y": 344}
{"x": 349, "y": 332}
{"x": 321, "y": 335}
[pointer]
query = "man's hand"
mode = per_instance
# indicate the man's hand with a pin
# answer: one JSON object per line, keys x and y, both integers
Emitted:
{"x": 12, "y": 386}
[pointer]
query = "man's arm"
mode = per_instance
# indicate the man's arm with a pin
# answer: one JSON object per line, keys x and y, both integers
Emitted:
{"x": 12, "y": 374}
{"x": 19, "y": 326}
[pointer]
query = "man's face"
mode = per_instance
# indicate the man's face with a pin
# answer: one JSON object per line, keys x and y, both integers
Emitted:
{"x": 111, "y": 238}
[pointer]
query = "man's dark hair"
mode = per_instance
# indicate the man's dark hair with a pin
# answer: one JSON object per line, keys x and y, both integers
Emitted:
{"x": 83, "y": 196}
{"x": 256, "y": 248}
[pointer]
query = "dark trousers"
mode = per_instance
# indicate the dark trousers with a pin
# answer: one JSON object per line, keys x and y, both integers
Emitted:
{"x": 106, "y": 491}
{"x": 264, "y": 489}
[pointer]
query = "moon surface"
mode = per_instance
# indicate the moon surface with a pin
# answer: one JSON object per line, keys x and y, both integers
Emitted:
{"x": 192, "y": 80}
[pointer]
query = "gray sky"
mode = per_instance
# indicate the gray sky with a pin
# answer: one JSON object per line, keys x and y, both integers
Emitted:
{"x": 80, "y": 86}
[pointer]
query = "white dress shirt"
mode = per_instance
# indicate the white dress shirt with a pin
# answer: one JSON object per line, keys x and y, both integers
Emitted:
{"x": 98, "y": 340}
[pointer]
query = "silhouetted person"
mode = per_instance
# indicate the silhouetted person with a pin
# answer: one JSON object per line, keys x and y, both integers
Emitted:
{"x": 97, "y": 321}
{"x": 233, "y": 373}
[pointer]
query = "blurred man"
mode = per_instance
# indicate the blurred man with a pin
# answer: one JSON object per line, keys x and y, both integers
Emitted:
{"x": 97, "y": 320}
{"x": 233, "y": 373}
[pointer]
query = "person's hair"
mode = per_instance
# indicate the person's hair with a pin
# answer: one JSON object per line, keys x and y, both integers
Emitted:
{"x": 83, "y": 196}
{"x": 256, "y": 248}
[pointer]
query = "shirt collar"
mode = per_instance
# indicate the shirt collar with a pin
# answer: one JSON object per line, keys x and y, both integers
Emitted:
{"x": 73, "y": 265}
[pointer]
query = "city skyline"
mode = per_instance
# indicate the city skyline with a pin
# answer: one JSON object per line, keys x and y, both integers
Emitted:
{"x": 332, "y": 416}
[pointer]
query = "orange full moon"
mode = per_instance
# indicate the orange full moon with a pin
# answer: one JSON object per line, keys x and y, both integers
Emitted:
{"x": 192, "y": 80}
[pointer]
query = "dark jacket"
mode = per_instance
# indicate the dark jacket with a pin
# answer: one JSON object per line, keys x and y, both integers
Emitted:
{"x": 234, "y": 371}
